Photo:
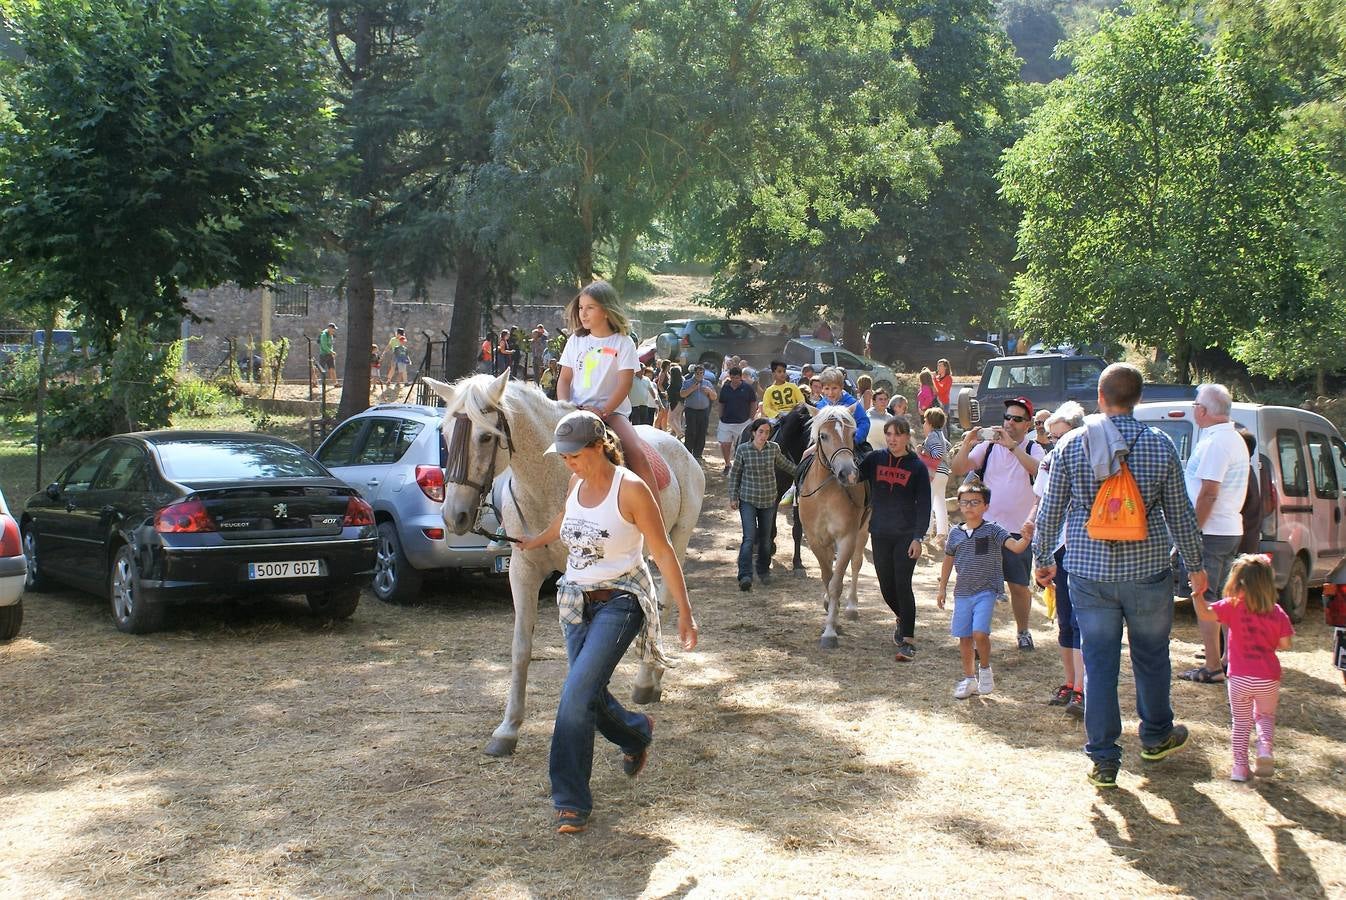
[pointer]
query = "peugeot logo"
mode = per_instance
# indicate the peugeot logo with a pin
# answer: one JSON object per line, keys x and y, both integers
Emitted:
{"x": 281, "y": 510}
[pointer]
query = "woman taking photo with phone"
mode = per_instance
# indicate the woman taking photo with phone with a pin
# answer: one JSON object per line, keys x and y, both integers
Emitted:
{"x": 606, "y": 599}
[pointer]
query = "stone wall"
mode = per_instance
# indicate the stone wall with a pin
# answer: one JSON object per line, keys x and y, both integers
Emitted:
{"x": 233, "y": 312}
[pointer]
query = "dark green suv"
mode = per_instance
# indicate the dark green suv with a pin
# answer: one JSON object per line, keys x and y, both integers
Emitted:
{"x": 709, "y": 341}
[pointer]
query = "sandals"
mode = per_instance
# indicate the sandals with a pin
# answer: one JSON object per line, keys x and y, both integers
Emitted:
{"x": 568, "y": 821}
{"x": 1202, "y": 675}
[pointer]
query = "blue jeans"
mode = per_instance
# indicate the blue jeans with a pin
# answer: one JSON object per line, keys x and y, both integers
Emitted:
{"x": 594, "y": 648}
{"x": 1101, "y": 608}
{"x": 756, "y": 521}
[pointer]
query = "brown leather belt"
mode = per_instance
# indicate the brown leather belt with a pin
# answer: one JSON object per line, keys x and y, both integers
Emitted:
{"x": 599, "y": 596}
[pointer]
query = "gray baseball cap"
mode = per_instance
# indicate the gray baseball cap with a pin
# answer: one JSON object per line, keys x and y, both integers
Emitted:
{"x": 577, "y": 431}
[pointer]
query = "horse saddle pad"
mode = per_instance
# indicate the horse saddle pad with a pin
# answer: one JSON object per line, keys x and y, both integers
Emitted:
{"x": 662, "y": 476}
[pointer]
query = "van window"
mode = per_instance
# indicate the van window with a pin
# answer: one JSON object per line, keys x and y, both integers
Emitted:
{"x": 796, "y": 354}
{"x": 1020, "y": 375}
{"x": 1294, "y": 480}
{"x": 1083, "y": 373}
{"x": 1180, "y": 433}
{"x": 1324, "y": 470}
{"x": 1339, "y": 454}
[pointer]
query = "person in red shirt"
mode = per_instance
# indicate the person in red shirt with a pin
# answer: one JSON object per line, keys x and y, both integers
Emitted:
{"x": 943, "y": 383}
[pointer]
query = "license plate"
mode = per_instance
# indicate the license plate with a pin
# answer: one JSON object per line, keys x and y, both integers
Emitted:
{"x": 304, "y": 568}
{"x": 500, "y": 564}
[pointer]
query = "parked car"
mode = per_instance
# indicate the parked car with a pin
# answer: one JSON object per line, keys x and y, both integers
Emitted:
{"x": 176, "y": 517}
{"x": 1051, "y": 379}
{"x": 395, "y": 455}
{"x": 799, "y": 352}
{"x": 709, "y": 341}
{"x": 13, "y": 574}
{"x": 1303, "y": 463}
{"x": 912, "y": 346}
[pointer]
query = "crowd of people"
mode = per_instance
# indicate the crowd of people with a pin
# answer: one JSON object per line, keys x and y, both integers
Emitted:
{"x": 1029, "y": 513}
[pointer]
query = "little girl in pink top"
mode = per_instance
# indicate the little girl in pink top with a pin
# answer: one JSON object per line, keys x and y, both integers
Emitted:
{"x": 1257, "y": 629}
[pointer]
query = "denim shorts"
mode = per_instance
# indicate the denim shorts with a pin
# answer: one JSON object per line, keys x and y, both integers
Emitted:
{"x": 1018, "y": 566}
{"x": 972, "y": 614}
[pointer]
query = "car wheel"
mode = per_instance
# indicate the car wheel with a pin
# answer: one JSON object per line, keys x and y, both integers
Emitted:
{"x": 1295, "y": 594}
{"x": 131, "y": 612}
{"x": 712, "y": 363}
{"x": 34, "y": 580}
{"x": 11, "y": 617}
{"x": 886, "y": 386}
{"x": 338, "y": 603}
{"x": 979, "y": 364}
{"x": 395, "y": 580}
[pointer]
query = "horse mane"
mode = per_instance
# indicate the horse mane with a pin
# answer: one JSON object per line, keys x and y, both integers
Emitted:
{"x": 472, "y": 398}
{"x": 828, "y": 414}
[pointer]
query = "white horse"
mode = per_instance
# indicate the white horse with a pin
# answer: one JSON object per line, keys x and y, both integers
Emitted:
{"x": 492, "y": 424}
{"x": 834, "y": 512}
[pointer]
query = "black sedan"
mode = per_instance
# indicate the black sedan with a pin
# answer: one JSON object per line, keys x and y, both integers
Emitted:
{"x": 173, "y": 517}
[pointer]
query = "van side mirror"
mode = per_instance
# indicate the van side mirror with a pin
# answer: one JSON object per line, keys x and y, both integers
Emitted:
{"x": 54, "y": 491}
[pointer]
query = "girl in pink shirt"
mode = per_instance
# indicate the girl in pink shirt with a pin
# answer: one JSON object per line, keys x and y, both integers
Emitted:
{"x": 1257, "y": 629}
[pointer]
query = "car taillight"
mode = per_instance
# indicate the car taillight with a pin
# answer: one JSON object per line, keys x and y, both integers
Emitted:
{"x": 431, "y": 480}
{"x": 685, "y": 342}
{"x": 184, "y": 516}
{"x": 358, "y": 513}
{"x": 10, "y": 545}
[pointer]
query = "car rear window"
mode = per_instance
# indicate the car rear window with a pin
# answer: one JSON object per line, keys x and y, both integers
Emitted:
{"x": 1019, "y": 375}
{"x": 1180, "y": 433}
{"x": 236, "y": 458}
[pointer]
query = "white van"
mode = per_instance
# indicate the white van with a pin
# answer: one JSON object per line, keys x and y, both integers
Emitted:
{"x": 1302, "y": 459}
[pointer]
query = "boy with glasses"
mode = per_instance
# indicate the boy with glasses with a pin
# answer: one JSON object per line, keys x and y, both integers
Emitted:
{"x": 1008, "y": 466}
{"x": 974, "y": 549}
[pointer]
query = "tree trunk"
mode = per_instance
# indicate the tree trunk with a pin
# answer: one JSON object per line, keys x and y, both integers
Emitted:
{"x": 625, "y": 247}
{"x": 465, "y": 336}
{"x": 359, "y": 335}
{"x": 851, "y": 338}
{"x": 48, "y": 327}
{"x": 1320, "y": 382}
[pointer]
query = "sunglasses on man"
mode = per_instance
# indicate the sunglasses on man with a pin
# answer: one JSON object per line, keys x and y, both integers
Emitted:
{"x": 1011, "y": 417}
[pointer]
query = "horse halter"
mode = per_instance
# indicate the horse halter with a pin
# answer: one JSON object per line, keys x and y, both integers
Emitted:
{"x": 456, "y": 471}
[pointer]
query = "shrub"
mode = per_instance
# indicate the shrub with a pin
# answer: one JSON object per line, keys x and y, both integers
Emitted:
{"x": 195, "y": 397}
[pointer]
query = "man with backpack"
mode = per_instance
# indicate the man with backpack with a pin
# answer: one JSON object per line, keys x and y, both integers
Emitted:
{"x": 1119, "y": 489}
{"x": 1007, "y": 465}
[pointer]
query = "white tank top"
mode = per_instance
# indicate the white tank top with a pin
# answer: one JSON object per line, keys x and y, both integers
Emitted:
{"x": 602, "y": 545}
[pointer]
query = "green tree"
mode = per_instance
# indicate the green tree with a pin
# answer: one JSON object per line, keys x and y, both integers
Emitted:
{"x": 1158, "y": 195}
{"x": 923, "y": 227}
{"x": 152, "y": 148}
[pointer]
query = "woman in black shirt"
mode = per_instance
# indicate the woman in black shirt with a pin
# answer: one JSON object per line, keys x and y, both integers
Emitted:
{"x": 899, "y": 491}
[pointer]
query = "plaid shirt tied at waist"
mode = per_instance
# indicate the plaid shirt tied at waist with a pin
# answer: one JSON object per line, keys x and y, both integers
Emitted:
{"x": 649, "y": 642}
{"x": 1070, "y": 495}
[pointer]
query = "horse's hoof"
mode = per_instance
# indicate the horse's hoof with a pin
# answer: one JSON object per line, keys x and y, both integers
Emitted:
{"x": 647, "y": 694}
{"x": 853, "y": 614}
{"x": 829, "y": 642}
{"x": 801, "y": 572}
{"x": 502, "y": 746}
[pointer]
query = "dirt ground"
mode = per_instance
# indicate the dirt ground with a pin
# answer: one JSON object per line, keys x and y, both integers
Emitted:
{"x": 252, "y": 752}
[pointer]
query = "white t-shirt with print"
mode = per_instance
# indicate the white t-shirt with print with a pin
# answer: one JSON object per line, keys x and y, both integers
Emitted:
{"x": 1220, "y": 455}
{"x": 596, "y": 363}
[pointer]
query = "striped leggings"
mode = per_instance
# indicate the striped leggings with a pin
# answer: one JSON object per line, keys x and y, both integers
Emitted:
{"x": 1249, "y": 699}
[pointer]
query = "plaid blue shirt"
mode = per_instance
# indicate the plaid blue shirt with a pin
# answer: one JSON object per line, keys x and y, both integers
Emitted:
{"x": 1070, "y": 494}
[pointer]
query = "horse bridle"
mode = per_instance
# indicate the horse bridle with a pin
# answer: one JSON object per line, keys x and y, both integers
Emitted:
{"x": 456, "y": 472}
{"x": 832, "y": 472}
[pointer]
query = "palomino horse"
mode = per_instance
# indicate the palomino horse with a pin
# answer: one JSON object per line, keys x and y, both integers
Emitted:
{"x": 835, "y": 512}
{"x": 491, "y": 424}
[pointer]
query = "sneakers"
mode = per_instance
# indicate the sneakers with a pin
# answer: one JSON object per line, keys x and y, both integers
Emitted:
{"x": 1265, "y": 766}
{"x": 745, "y": 584}
{"x": 897, "y": 635}
{"x": 905, "y": 652}
{"x": 764, "y": 578}
{"x": 1025, "y": 641}
{"x": 632, "y": 764}
{"x": 1240, "y": 772}
{"x": 1104, "y": 775}
{"x": 1176, "y": 740}
{"x": 570, "y": 822}
{"x": 1061, "y": 697}
{"x": 967, "y": 687}
{"x": 985, "y": 680}
{"x": 1076, "y": 705}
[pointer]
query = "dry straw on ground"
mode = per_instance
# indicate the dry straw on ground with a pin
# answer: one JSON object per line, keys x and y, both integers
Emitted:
{"x": 253, "y": 753}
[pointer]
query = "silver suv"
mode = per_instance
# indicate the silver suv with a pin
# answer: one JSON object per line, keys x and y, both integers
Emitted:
{"x": 394, "y": 454}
